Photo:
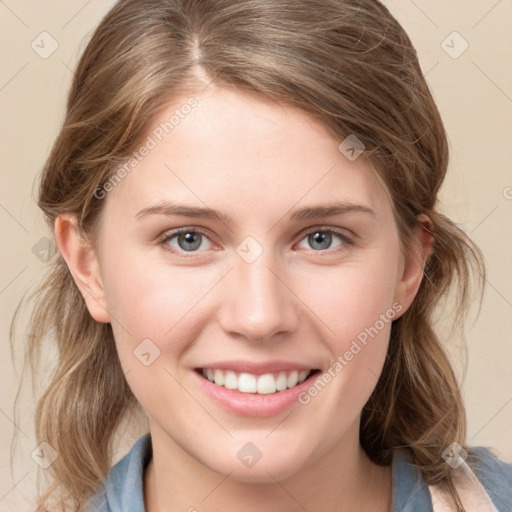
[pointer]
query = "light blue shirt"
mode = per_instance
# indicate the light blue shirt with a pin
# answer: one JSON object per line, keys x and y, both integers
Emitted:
{"x": 123, "y": 490}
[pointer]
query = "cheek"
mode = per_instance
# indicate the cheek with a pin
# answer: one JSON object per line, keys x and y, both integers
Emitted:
{"x": 351, "y": 298}
{"x": 359, "y": 312}
{"x": 355, "y": 304}
{"x": 155, "y": 310}
{"x": 155, "y": 301}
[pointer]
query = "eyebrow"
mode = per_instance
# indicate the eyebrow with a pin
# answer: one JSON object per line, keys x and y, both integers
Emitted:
{"x": 308, "y": 212}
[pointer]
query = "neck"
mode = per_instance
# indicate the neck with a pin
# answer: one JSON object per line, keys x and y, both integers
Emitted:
{"x": 343, "y": 479}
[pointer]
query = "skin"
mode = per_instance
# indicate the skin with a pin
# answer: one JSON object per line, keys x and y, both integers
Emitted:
{"x": 256, "y": 161}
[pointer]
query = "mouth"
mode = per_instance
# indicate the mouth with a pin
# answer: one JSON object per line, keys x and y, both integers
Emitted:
{"x": 264, "y": 384}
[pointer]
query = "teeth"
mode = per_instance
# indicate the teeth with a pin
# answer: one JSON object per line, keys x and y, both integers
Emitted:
{"x": 218, "y": 377}
{"x": 262, "y": 384}
{"x": 266, "y": 384}
{"x": 293, "y": 379}
{"x": 303, "y": 375}
{"x": 247, "y": 383}
{"x": 231, "y": 380}
{"x": 281, "y": 382}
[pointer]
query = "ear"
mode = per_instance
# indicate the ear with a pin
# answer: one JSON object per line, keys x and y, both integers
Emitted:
{"x": 83, "y": 265}
{"x": 411, "y": 270}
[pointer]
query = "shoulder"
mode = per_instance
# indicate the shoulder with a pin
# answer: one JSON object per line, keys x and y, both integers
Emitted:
{"x": 494, "y": 474}
{"x": 123, "y": 489}
{"x": 411, "y": 493}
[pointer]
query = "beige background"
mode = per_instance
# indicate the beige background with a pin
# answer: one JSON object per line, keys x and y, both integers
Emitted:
{"x": 473, "y": 91}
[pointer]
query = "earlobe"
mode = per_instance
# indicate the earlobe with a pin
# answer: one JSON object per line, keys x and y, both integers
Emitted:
{"x": 412, "y": 272}
{"x": 82, "y": 262}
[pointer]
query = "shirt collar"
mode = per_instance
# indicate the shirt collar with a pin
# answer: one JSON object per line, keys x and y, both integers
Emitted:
{"x": 123, "y": 491}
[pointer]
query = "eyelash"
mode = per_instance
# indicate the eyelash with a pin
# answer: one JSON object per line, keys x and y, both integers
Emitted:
{"x": 163, "y": 241}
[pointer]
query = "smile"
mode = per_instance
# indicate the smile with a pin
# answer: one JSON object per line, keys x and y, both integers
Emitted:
{"x": 265, "y": 384}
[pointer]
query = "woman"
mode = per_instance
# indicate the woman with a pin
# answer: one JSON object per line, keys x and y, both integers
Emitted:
{"x": 244, "y": 198}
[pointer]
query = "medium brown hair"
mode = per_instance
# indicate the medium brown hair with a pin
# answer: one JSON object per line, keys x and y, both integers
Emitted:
{"x": 349, "y": 64}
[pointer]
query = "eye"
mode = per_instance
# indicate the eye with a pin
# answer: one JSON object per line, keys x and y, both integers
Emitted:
{"x": 190, "y": 240}
{"x": 187, "y": 240}
{"x": 322, "y": 238}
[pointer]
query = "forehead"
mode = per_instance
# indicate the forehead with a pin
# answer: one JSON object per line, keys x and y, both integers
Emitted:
{"x": 225, "y": 147}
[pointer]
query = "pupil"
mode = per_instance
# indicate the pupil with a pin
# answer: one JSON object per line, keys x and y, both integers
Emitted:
{"x": 323, "y": 239}
{"x": 189, "y": 239}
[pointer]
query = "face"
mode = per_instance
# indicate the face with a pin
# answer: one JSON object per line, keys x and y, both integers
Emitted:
{"x": 277, "y": 287}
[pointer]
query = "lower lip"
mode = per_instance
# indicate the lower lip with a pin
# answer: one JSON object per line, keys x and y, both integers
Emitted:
{"x": 253, "y": 404}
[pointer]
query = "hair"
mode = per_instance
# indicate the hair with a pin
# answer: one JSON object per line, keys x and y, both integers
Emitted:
{"x": 350, "y": 65}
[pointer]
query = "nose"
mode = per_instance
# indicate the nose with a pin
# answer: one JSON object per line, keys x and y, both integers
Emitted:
{"x": 258, "y": 301}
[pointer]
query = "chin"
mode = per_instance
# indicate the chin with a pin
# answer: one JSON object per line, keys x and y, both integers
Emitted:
{"x": 262, "y": 472}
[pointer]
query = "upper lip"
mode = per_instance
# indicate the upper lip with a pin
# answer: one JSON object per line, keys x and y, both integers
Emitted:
{"x": 257, "y": 368}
